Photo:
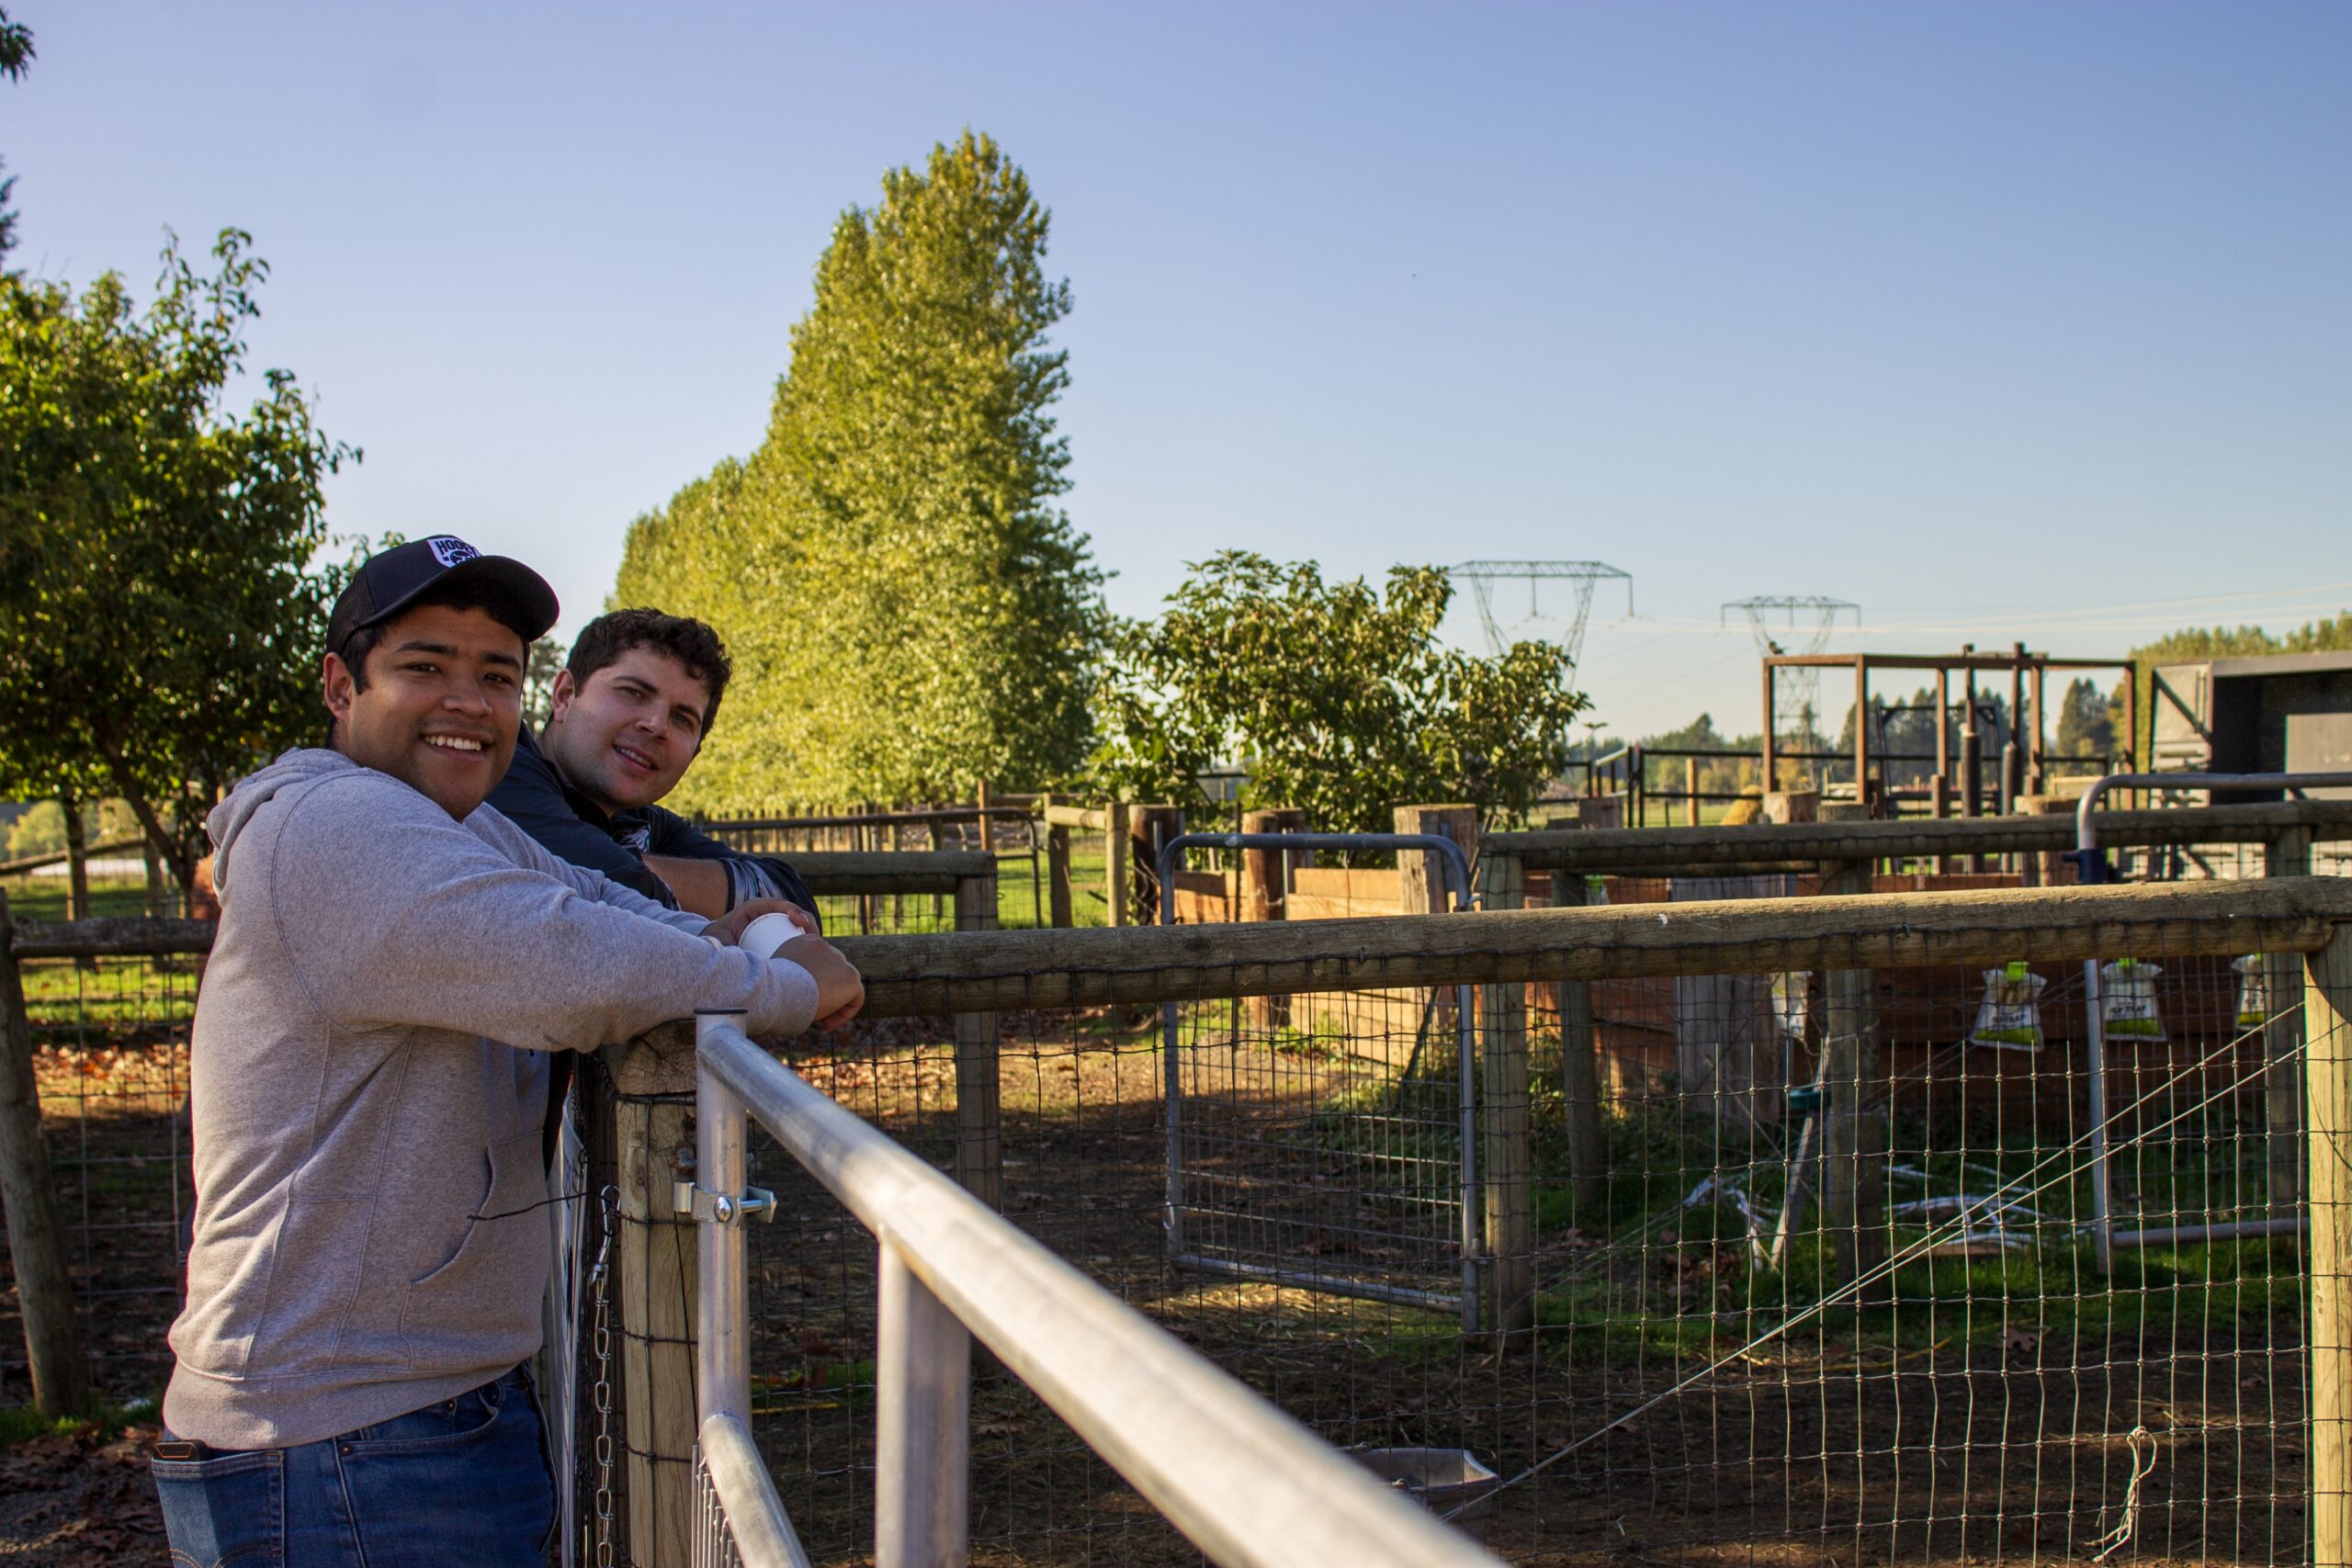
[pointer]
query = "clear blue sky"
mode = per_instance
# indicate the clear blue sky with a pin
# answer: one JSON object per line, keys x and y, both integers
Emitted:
{"x": 2002, "y": 320}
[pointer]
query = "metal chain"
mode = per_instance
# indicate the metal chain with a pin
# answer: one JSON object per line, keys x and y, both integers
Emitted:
{"x": 602, "y": 1390}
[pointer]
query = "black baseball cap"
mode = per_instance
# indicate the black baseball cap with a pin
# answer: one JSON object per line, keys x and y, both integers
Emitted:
{"x": 386, "y": 583}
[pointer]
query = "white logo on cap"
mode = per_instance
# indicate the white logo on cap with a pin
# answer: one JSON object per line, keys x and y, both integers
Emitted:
{"x": 452, "y": 551}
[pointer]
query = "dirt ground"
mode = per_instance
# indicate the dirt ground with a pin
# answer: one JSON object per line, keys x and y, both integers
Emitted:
{"x": 1982, "y": 1439}
{"x": 80, "y": 1500}
{"x": 1989, "y": 1439}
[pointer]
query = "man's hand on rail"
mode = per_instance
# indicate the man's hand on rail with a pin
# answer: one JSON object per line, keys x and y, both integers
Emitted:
{"x": 729, "y": 927}
{"x": 840, "y": 991}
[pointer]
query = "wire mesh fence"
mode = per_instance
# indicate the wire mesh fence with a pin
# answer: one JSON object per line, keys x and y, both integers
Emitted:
{"x": 1835, "y": 1279}
{"x": 109, "y": 1043}
{"x": 1833, "y": 1293}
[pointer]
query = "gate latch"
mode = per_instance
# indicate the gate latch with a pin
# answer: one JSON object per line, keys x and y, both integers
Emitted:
{"x": 721, "y": 1208}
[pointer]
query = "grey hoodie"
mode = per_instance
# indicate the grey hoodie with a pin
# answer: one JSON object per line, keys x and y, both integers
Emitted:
{"x": 369, "y": 1083}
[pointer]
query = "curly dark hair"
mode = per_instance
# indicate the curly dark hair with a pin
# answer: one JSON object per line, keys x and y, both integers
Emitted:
{"x": 603, "y": 640}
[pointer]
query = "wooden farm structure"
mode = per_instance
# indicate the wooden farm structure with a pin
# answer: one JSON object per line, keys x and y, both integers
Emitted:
{"x": 1958, "y": 770}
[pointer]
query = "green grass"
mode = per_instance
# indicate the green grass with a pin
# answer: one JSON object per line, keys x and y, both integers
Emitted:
{"x": 22, "y": 1423}
{"x": 43, "y": 897}
{"x": 1637, "y": 1274}
{"x": 1018, "y": 907}
{"x": 1662, "y": 1279}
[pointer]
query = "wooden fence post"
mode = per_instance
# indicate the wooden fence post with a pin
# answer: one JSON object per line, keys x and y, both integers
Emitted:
{"x": 61, "y": 1378}
{"x": 158, "y": 904}
{"x": 1118, "y": 894}
{"x": 1421, "y": 885}
{"x": 987, "y": 829}
{"x": 77, "y": 861}
{"x": 1057, "y": 892}
{"x": 2283, "y": 1031}
{"x": 654, "y": 1277}
{"x": 1852, "y": 1159}
{"x": 1152, "y": 826}
{"x": 2327, "y": 1025}
{"x": 1580, "y": 1066}
{"x": 2038, "y": 868}
{"x": 980, "y": 1127}
{"x": 1262, "y": 892}
{"x": 1508, "y": 1179}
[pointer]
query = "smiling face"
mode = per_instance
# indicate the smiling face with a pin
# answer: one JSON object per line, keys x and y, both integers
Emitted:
{"x": 624, "y": 736}
{"x": 443, "y": 702}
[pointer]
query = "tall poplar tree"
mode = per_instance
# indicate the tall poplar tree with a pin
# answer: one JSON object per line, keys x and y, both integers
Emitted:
{"x": 908, "y": 609}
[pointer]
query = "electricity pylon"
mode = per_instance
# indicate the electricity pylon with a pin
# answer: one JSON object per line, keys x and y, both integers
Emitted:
{"x": 1807, "y": 621}
{"x": 1562, "y": 630}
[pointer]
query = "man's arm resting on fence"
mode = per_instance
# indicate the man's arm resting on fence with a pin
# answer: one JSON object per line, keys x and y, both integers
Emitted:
{"x": 397, "y": 916}
{"x": 701, "y": 887}
{"x": 677, "y": 844}
{"x": 840, "y": 991}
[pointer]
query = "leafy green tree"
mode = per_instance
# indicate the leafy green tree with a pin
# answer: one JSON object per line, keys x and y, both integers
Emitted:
{"x": 908, "y": 611}
{"x": 540, "y": 667}
{"x": 16, "y": 53}
{"x": 1338, "y": 699}
{"x": 160, "y": 616}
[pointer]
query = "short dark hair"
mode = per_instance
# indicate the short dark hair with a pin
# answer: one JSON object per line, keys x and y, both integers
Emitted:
{"x": 461, "y": 594}
{"x": 603, "y": 640}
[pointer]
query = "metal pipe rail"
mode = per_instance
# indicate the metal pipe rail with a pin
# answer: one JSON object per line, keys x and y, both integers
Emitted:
{"x": 2088, "y": 824}
{"x": 1245, "y": 1483}
{"x": 738, "y": 1520}
{"x": 1718, "y": 849}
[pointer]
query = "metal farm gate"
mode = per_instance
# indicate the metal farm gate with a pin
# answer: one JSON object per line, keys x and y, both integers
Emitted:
{"x": 1326, "y": 1140}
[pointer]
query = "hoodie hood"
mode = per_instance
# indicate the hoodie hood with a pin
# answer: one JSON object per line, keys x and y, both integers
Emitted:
{"x": 254, "y": 790}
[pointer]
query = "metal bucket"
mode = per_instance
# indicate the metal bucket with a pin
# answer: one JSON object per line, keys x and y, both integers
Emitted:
{"x": 1441, "y": 1479}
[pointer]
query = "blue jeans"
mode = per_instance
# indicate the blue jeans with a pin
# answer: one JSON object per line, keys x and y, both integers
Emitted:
{"x": 462, "y": 1482}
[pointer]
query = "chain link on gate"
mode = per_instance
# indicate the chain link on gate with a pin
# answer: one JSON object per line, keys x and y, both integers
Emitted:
{"x": 601, "y": 1392}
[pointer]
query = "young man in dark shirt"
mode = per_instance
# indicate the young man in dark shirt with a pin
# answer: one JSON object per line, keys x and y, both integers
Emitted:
{"x": 630, "y": 709}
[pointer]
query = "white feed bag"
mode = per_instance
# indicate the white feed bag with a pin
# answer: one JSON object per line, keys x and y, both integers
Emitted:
{"x": 2009, "y": 1017}
{"x": 2128, "y": 1000}
{"x": 2254, "y": 991}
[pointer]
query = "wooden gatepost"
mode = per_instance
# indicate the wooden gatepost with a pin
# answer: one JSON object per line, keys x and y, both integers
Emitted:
{"x": 53, "y": 1350}
{"x": 646, "y": 1143}
{"x": 2327, "y": 1026}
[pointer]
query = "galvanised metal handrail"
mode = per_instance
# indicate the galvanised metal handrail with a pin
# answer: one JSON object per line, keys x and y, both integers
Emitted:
{"x": 1250, "y": 1486}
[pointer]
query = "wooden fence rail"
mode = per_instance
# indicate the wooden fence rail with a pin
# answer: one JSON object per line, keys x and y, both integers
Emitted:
{"x": 953, "y": 972}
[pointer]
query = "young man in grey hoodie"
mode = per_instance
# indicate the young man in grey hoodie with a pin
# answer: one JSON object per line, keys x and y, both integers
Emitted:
{"x": 369, "y": 1071}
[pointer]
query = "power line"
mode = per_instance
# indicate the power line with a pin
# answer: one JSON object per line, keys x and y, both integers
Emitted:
{"x": 1808, "y": 619}
{"x": 1486, "y": 576}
